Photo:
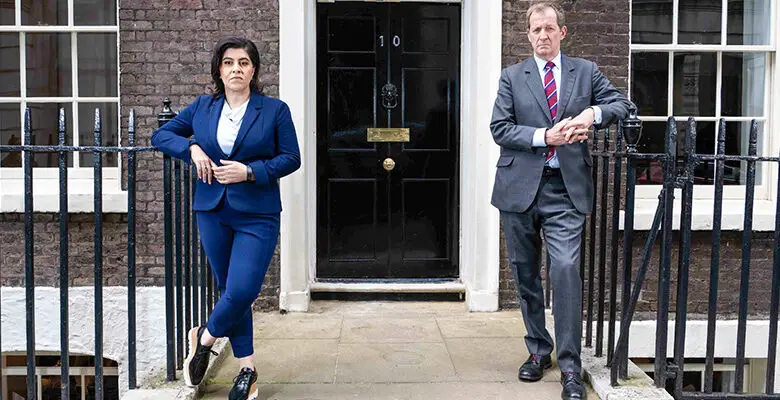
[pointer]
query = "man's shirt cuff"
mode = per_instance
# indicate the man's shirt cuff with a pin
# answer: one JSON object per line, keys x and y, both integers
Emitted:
{"x": 538, "y": 140}
{"x": 596, "y": 115}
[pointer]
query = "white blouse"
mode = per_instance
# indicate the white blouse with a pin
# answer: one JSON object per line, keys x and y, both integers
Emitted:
{"x": 229, "y": 124}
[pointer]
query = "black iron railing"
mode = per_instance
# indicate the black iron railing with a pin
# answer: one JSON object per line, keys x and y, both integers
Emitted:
{"x": 189, "y": 291}
{"x": 678, "y": 173}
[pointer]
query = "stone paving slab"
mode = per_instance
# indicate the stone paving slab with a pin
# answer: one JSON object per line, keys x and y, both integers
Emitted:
{"x": 469, "y": 326}
{"x": 487, "y": 360}
{"x": 287, "y": 361}
{"x": 296, "y": 326}
{"x": 385, "y": 330}
{"x": 394, "y": 362}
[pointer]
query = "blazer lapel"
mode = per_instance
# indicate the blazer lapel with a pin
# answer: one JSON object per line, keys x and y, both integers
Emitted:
{"x": 251, "y": 114}
{"x": 214, "y": 114}
{"x": 534, "y": 82}
{"x": 567, "y": 86}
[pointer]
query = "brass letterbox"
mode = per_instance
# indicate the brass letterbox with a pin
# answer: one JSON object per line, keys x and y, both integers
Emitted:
{"x": 387, "y": 134}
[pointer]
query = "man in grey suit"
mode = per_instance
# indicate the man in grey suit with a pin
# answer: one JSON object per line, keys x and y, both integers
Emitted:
{"x": 541, "y": 119}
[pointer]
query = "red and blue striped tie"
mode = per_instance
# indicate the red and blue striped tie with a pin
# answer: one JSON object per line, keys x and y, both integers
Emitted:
{"x": 551, "y": 92}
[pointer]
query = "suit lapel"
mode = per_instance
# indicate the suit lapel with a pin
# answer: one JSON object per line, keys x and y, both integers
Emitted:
{"x": 567, "y": 86}
{"x": 251, "y": 114}
{"x": 534, "y": 82}
{"x": 214, "y": 113}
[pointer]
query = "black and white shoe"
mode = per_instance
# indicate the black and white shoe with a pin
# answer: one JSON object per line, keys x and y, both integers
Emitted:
{"x": 197, "y": 360}
{"x": 244, "y": 385}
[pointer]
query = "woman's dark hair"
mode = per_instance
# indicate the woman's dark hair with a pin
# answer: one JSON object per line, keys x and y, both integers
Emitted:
{"x": 216, "y": 61}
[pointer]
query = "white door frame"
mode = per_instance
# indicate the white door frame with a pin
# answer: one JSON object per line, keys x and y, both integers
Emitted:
{"x": 479, "y": 222}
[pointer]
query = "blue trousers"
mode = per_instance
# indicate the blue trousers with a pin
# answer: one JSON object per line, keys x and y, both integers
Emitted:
{"x": 239, "y": 247}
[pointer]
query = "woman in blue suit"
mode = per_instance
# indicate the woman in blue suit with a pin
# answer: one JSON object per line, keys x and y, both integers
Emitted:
{"x": 241, "y": 143}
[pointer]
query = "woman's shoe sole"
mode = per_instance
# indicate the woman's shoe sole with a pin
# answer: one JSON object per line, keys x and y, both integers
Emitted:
{"x": 192, "y": 335}
{"x": 254, "y": 393}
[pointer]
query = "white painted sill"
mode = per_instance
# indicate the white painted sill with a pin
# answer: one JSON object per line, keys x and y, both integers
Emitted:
{"x": 702, "y": 218}
{"x": 46, "y": 196}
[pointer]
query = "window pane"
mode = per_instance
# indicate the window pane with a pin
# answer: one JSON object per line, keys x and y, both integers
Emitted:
{"x": 51, "y": 387}
{"x": 699, "y": 22}
{"x": 44, "y": 12}
{"x": 44, "y": 119}
{"x": 48, "y": 64}
{"x": 748, "y": 21}
{"x": 97, "y": 65}
{"x": 723, "y": 381}
{"x": 704, "y": 172}
{"x": 17, "y": 386}
{"x": 10, "y": 134}
{"x": 650, "y": 83}
{"x": 652, "y": 141}
{"x": 743, "y": 84}
{"x": 651, "y": 21}
{"x": 108, "y": 117}
{"x": 694, "y": 84}
{"x": 737, "y": 143}
{"x": 7, "y": 16}
{"x": 9, "y": 65}
{"x": 94, "y": 12}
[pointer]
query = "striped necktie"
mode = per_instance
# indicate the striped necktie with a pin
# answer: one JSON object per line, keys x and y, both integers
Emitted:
{"x": 551, "y": 92}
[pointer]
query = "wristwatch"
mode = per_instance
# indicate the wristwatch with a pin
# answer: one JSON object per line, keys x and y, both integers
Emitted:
{"x": 250, "y": 174}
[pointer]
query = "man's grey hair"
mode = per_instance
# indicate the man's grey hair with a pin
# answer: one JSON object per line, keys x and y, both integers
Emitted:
{"x": 543, "y": 5}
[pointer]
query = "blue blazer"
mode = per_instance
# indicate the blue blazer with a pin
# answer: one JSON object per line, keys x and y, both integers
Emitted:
{"x": 266, "y": 142}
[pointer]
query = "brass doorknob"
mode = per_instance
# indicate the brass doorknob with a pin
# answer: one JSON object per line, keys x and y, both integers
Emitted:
{"x": 388, "y": 164}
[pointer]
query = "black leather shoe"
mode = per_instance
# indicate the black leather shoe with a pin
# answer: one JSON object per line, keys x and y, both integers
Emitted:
{"x": 533, "y": 368}
{"x": 197, "y": 360}
{"x": 573, "y": 389}
{"x": 244, "y": 385}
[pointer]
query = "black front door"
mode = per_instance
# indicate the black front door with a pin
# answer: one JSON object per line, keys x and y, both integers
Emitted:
{"x": 387, "y": 209}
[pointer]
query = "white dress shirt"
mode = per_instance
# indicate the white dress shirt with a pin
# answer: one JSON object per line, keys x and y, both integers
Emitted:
{"x": 229, "y": 124}
{"x": 538, "y": 139}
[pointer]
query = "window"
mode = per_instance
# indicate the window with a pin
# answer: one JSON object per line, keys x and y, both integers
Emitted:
{"x": 48, "y": 376}
{"x": 53, "y": 54}
{"x": 709, "y": 59}
{"x": 705, "y": 58}
{"x": 723, "y": 374}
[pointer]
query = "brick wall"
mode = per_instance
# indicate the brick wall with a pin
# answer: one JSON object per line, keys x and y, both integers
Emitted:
{"x": 598, "y": 31}
{"x": 80, "y": 247}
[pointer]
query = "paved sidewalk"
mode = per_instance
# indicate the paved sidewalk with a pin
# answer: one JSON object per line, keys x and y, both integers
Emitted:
{"x": 389, "y": 350}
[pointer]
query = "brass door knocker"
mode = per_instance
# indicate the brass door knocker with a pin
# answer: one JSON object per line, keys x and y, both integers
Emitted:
{"x": 389, "y": 96}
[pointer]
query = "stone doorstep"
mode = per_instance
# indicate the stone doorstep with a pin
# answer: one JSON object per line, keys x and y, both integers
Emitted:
{"x": 179, "y": 391}
{"x": 639, "y": 386}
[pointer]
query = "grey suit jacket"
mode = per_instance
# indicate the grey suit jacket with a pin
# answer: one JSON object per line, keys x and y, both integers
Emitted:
{"x": 521, "y": 108}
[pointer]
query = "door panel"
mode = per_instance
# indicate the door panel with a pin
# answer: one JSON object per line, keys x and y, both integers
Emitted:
{"x": 373, "y": 223}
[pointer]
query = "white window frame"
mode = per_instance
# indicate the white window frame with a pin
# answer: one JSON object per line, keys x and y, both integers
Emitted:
{"x": 700, "y": 367}
{"x": 765, "y": 193}
{"x": 80, "y": 179}
{"x": 40, "y": 372}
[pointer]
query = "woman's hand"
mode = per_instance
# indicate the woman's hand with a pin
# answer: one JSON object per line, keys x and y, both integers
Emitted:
{"x": 203, "y": 163}
{"x": 230, "y": 172}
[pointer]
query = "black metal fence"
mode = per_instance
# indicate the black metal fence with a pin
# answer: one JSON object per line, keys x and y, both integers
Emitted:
{"x": 190, "y": 293}
{"x": 189, "y": 290}
{"x": 678, "y": 173}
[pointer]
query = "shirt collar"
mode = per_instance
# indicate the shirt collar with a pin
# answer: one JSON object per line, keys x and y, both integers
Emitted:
{"x": 234, "y": 112}
{"x": 541, "y": 63}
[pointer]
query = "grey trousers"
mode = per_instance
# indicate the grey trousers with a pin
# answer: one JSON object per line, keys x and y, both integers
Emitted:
{"x": 553, "y": 213}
